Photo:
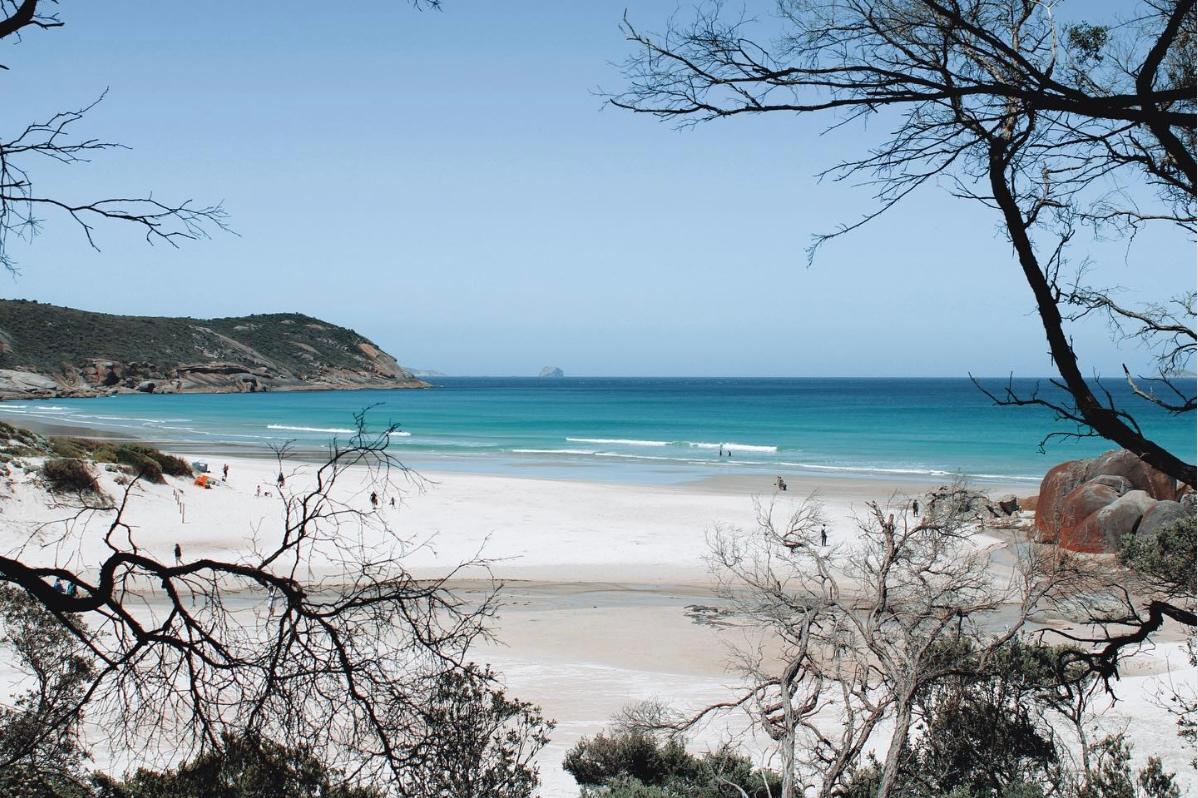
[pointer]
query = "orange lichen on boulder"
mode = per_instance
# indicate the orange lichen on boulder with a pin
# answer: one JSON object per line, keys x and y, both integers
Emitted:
{"x": 1090, "y": 505}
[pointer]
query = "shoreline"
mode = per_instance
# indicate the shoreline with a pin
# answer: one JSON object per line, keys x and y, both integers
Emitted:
{"x": 832, "y": 482}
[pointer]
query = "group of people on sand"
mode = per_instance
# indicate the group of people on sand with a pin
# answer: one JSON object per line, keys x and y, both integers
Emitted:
{"x": 374, "y": 499}
{"x": 280, "y": 482}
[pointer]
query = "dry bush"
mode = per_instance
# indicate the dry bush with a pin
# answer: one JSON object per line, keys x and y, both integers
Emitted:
{"x": 69, "y": 475}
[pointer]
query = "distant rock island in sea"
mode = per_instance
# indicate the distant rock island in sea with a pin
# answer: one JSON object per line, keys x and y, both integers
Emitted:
{"x": 551, "y": 371}
{"x": 52, "y": 351}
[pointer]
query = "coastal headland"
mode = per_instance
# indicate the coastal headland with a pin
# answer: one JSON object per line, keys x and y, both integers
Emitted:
{"x": 47, "y": 351}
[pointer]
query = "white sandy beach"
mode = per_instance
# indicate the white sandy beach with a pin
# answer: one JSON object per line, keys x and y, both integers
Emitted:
{"x": 598, "y": 578}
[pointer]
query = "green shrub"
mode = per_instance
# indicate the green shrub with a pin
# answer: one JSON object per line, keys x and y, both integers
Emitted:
{"x": 628, "y": 787}
{"x": 241, "y": 767}
{"x": 69, "y": 475}
{"x": 1165, "y": 559}
{"x": 634, "y": 764}
{"x": 144, "y": 468}
{"x": 145, "y": 461}
{"x": 171, "y": 465}
{"x": 594, "y": 762}
{"x": 20, "y": 442}
{"x": 70, "y": 447}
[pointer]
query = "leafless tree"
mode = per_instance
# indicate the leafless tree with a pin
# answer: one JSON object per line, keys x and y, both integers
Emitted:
{"x": 23, "y": 206}
{"x": 1055, "y": 128}
{"x": 855, "y": 633}
{"x": 318, "y": 633}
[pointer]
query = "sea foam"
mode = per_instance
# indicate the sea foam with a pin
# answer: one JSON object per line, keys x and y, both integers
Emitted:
{"x": 618, "y": 441}
{"x": 334, "y": 430}
{"x": 734, "y": 447}
{"x": 728, "y": 447}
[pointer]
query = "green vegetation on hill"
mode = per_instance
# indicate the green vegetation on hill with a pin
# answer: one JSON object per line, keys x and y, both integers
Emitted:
{"x": 53, "y": 340}
{"x": 286, "y": 337}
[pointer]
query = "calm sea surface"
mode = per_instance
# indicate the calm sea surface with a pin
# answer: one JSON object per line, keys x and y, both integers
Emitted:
{"x": 637, "y": 430}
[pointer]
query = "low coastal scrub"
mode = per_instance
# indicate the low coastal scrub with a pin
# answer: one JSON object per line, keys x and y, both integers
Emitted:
{"x": 144, "y": 461}
{"x": 635, "y": 764}
{"x": 69, "y": 475}
{"x": 19, "y": 442}
{"x": 1167, "y": 559}
{"x": 148, "y": 463}
{"x": 242, "y": 766}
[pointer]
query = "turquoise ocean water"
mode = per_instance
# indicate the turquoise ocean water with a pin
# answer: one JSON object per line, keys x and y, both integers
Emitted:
{"x": 638, "y": 430}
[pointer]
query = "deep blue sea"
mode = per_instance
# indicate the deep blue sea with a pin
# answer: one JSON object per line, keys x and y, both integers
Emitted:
{"x": 639, "y": 430}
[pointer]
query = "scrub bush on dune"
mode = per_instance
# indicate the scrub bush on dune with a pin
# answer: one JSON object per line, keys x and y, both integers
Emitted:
{"x": 69, "y": 475}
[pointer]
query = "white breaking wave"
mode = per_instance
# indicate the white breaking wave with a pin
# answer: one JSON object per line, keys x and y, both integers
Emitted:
{"x": 334, "y": 430}
{"x": 553, "y": 451}
{"x": 872, "y": 469}
{"x": 618, "y": 442}
{"x": 734, "y": 447}
{"x": 728, "y": 447}
{"x": 638, "y": 457}
{"x": 923, "y": 472}
{"x": 399, "y": 434}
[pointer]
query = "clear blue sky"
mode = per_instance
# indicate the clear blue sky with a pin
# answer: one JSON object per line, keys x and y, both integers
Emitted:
{"x": 449, "y": 185}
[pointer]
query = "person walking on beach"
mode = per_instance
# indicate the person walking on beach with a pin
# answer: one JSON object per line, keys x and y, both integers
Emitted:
{"x": 823, "y": 536}
{"x": 915, "y": 507}
{"x": 374, "y": 499}
{"x": 392, "y": 501}
{"x": 258, "y": 490}
{"x": 178, "y": 554}
{"x": 225, "y": 472}
{"x": 280, "y": 480}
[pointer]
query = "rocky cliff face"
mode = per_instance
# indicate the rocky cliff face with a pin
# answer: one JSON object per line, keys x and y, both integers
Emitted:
{"x": 50, "y": 351}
